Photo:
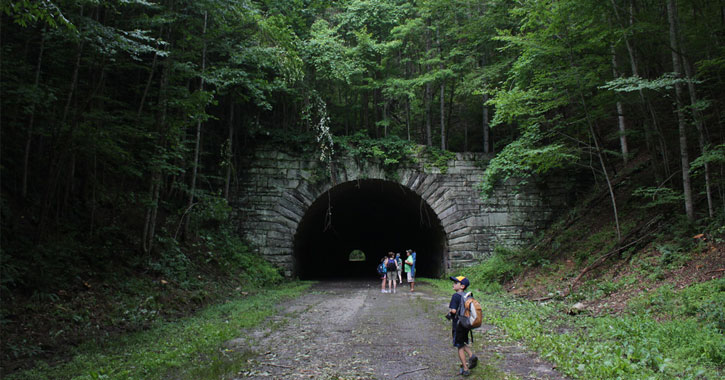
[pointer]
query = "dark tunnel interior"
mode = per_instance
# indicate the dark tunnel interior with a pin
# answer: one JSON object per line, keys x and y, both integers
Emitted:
{"x": 375, "y": 217}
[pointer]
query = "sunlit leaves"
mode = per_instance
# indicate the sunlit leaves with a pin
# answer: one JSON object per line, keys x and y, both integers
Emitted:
{"x": 29, "y": 12}
{"x": 634, "y": 83}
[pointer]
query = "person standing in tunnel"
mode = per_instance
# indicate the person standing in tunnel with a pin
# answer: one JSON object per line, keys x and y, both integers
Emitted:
{"x": 399, "y": 263}
{"x": 409, "y": 270}
{"x": 381, "y": 273}
{"x": 392, "y": 271}
{"x": 413, "y": 267}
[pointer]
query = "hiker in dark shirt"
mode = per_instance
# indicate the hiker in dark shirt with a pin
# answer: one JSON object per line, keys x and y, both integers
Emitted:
{"x": 460, "y": 334}
{"x": 392, "y": 272}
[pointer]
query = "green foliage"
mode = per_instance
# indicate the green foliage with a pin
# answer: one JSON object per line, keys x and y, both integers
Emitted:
{"x": 677, "y": 235}
{"x": 327, "y": 53}
{"x": 711, "y": 155}
{"x": 190, "y": 348}
{"x": 659, "y": 196}
{"x": 590, "y": 246}
{"x": 219, "y": 245}
{"x": 703, "y": 301}
{"x": 635, "y": 345}
{"x": 356, "y": 255}
{"x": 600, "y": 288}
{"x": 504, "y": 264}
{"x": 26, "y": 13}
{"x": 100, "y": 97}
{"x": 434, "y": 157}
{"x": 673, "y": 256}
{"x": 390, "y": 152}
{"x": 524, "y": 158}
{"x": 607, "y": 347}
{"x": 631, "y": 84}
{"x": 172, "y": 262}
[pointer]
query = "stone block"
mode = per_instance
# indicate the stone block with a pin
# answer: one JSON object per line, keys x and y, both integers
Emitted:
{"x": 496, "y": 219}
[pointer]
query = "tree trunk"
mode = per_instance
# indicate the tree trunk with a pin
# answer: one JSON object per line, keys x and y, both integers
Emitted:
{"x": 620, "y": 114}
{"x": 598, "y": 148}
{"x": 93, "y": 189}
{"x": 31, "y": 122}
{"x": 428, "y": 121}
{"x": 55, "y": 162}
{"x": 443, "y": 93}
{"x": 701, "y": 131}
{"x": 146, "y": 88}
{"x": 609, "y": 182}
{"x": 74, "y": 82}
{"x": 682, "y": 123}
{"x": 385, "y": 119}
{"x": 443, "y": 119}
{"x": 449, "y": 114}
{"x": 364, "y": 110}
{"x": 376, "y": 112}
{"x": 428, "y": 95}
{"x": 156, "y": 177}
{"x": 197, "y": 144}
{"x": 484, "y": 119}
{"x": 407, "y": 115}
{"x": 647, "y": 108}
{"x": 229, "y": 149}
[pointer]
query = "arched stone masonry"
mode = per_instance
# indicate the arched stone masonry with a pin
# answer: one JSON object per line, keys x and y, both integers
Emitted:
{"x": 276, "y": 189}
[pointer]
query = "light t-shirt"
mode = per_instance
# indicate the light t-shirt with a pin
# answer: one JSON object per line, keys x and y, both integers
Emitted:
{"x": 408, "y": 264}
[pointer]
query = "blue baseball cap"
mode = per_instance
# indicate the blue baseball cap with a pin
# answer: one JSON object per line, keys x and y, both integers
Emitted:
{"x": 463, "y": 280}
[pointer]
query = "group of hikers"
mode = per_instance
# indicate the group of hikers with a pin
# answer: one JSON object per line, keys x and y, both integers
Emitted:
{"x": 464, "y": 311}
{"x": 390, "y": 271}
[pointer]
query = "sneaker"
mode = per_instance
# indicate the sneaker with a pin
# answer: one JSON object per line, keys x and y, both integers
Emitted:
{"x": 466, "y": 373}
{"x": 472, "y": 362}
{"x": 460, "y": 370}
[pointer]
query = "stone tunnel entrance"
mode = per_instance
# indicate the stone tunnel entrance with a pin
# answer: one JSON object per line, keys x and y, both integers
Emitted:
{"x": 372, "y": 216}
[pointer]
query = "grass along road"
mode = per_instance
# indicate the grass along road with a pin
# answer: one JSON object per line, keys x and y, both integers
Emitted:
{"x": 349, "y": 330}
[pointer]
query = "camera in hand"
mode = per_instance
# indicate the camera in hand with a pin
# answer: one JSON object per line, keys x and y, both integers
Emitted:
{"x": 449, "y": 316}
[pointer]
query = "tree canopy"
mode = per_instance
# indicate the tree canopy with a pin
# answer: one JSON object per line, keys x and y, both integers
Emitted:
{"x": 123, "y": 118}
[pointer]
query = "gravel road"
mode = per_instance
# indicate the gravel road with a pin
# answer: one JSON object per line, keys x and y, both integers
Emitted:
{"x": 350, "y": 330}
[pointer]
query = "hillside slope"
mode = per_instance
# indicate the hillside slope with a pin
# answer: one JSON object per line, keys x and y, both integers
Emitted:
{"x": 577, "y": 259}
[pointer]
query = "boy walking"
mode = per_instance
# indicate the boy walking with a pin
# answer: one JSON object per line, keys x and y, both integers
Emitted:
{"x": 460, "y": 334}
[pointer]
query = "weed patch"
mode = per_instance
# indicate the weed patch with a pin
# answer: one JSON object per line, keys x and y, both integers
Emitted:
{"x": 191, "y": 348}
{"x": 666, "y": 335}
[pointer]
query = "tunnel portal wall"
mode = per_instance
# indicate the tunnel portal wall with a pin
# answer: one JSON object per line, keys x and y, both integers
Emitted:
{"x": 275, "y": 190}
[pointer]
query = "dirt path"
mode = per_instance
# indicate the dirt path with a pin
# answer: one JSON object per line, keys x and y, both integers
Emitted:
{"x": 350, "y": 330}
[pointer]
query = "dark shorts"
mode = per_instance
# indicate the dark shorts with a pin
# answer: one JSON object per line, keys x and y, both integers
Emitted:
{"x": 460, "y": 336}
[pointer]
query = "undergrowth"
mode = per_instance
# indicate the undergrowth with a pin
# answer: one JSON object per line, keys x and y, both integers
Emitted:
{"x": 610, "y": 347}
{"x": 190, "y": 348}
{"x": 73, "y": 303}
{"x": 666, "y": 335}
{"x": 667, "y": 327}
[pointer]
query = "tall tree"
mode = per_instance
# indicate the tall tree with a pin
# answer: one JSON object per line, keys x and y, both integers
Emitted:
{"x": 681, "y": 122}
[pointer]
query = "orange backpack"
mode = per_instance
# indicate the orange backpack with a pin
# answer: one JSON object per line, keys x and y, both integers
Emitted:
{"x": 473, "y": 313}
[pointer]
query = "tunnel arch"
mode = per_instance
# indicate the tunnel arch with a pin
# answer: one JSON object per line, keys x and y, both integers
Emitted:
{"x": 372, "y": 215}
